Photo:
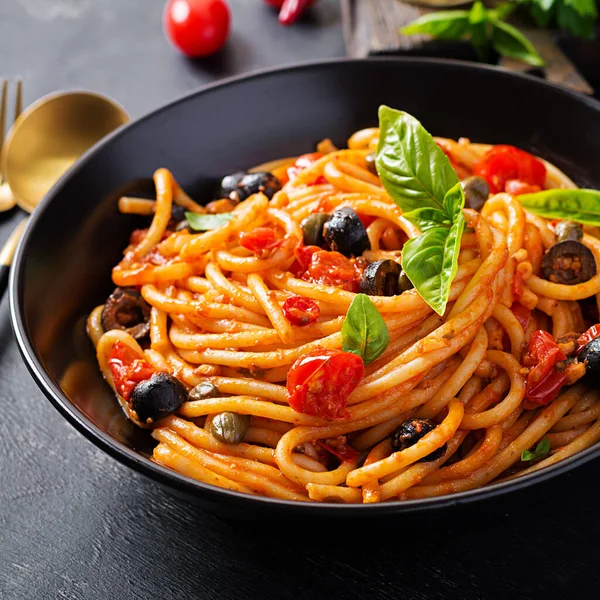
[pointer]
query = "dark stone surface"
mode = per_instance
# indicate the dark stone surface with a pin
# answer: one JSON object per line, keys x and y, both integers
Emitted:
{"x": 75, "y": 524}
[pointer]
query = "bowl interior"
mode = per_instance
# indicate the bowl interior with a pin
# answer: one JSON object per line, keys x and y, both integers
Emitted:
{"x": 63, "y": 266}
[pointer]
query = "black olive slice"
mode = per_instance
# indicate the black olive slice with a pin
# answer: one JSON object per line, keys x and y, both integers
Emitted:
{"x": 126, "y": 309}
{"x": 410, "y": 432}
{"x": 381, "y": 279}
{"x": 476, "y": 191}
{"x": 569, "y": 263}
{"x": 157, "y": 397}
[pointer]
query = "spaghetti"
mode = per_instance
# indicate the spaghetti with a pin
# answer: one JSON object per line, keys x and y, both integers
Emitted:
{"x": 449, "y": 405}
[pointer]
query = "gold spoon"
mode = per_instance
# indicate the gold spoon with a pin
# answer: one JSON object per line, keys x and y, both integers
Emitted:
{"x": 46, "y": 139}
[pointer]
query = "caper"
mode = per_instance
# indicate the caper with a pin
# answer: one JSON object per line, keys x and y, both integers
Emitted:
{"x": 371, "y": 164}
{"x": 312, "y": 228}
{"x": 203, "y": 391}
{"x": 476, "y": 191}
{"x": 568, "y": 231}
{"x": 230, "y": 427}
{"x": 404, "y": 283}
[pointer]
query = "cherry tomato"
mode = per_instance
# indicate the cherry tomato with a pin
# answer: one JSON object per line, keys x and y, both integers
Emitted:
{"x": 259, "y": 240}
{"x": 516, "y": 187}
{"x": 302, "y": 162}
{"x": 301, "y": 311}
{"x": 523, "y": 314}
{"x": 587, "y": 336}
{"x": 328, "y": 268}
{"x": 339, "y": 448}
{"x": 320, "y": 382}
{"x": 128, "y": 368}
{"x": 366, "y": 219}
{"x": 503, "y": 163}
{"x": 197, "y": 27}
{"x": 543, "y": 381}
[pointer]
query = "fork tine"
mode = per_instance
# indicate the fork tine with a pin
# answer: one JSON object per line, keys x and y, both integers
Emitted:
{"x": 19, "y": 98}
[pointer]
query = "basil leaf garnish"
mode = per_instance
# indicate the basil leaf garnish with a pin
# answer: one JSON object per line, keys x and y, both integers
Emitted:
{"x": 443, "y": 24}
{"x": 422, "y": 182}
{"x": 541, "y": 451}
{"x": 200, "y": 222}
{"x": 364, "y": 331}
{"x": 509, "y": 41}
{"x": 582, "y": 206}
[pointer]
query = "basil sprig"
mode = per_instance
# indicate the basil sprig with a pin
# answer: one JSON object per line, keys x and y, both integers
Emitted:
{"x": 483, "y": 27}
{"x": 541, "y": 451}
{"x": 364, "y": 331}
{"x": 577, "y": 16}
{"x": 200, "y": 222}
{"x": 422, "y": 182}
{"x": 582, "y": 206}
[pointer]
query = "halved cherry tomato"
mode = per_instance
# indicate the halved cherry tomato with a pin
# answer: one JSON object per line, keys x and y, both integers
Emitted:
{"x": 259, "y": 240}
{"x": 304, "y": 161}
{"x": 516, "y": 187}
{"x": 127, "y": 368}
{"x": 523, "y": 314}
{"x": 301, "y": 311}
{"x": 587, "y": 336}
{"x": 320, "y": 382}
{"x": 543, "y": 381}
{"x": 503, "y": 163}
{"x": 339, "y": 448}
{"x": 197, "y": 27}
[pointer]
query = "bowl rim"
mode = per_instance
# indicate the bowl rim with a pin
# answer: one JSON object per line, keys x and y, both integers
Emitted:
{"x": 191, "y": 487}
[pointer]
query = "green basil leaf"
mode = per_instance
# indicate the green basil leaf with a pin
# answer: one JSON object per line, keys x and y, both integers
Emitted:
{"x": 543, "y": 13}
{"x": 364, "y": 331}
{"x": 430, "y": 261}
{"x": 542, "y": 448}
{"x": 426, "y": 218}
{"x": 412, "y": 167}
{"x": 509, "y": 41}
{"x": 582, "y": 206}
{"x": 577, "y": 17}
{"x": 503, "y": 10}
{"x": 527, "y": 455}
{"x": 443, "y": 24}
{"x": 199, "y": 222}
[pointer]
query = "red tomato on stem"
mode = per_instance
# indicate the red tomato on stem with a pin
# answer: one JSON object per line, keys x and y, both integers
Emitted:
{"x": 301, "y": 311}
{"x": 320, "y": 382}
{"x": 503, "y": 163}
{"x": 197, "y": 27}
{"x": 127, "y": 368}
{"x": 543, "y": 381}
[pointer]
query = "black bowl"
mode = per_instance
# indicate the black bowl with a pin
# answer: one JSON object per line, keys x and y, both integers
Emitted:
{"x": 63, "y": 264}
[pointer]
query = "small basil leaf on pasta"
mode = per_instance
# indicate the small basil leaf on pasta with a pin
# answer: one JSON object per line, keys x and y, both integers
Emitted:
{"x": 412, "y": 167}
{"x": 443, "y": 24}
{"x": 541, "y": 451}
{"x": 200, "y": 222}
{"x": 582, "y": 206}
{"x": 509, "y": 41}
{"x": 364, "y": 331}
{"x": 430, "y": 261}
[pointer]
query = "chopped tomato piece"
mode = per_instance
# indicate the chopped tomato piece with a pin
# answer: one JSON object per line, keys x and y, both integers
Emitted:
{"x": 127, "y": 368}
{"x": 332, "y": 268}
{"x": 302, "y": 162}
{"x": 304, "y": 255}
{"x": 301, "y": 311}
{"x": 523, "y": 314}
{"x": 340, "y": 448}
{"x": 366, "y": 219}
{"x": 503, "y": 163}
{"x": 259, "y": 240}
{"x": 587, "y": 336}
{"x": 543, "y": 381}
{"x": 320, "y": 382}
{"x": 516, "y": 187}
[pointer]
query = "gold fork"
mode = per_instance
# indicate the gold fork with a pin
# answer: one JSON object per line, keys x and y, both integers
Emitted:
{"x": 7, "y": 200}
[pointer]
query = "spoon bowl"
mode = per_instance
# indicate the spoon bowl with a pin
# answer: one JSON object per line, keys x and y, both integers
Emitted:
{"x": 50, "y": 135}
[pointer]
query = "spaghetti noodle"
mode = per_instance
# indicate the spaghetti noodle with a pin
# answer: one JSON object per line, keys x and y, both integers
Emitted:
{"x": 234, "y": 311}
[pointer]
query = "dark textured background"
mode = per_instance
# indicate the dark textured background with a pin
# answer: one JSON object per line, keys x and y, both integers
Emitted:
{"x": 74, "y": 524}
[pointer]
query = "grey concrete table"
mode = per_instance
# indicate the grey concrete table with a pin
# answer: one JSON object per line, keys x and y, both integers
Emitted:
{"x": 75, "y": 524}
